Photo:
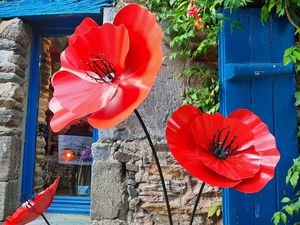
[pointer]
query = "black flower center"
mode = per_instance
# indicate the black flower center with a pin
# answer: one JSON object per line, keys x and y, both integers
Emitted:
{"x": 102, "y": 68}
{"x": 220, "y": 146}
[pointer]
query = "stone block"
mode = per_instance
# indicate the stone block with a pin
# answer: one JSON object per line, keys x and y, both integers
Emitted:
{"x": 11, "y": 103}
{"x": 11, "y": 57}
{"x": 10, "y": 152}
{"x": 109, "y": 14}
{"x": 108, "y": 222}
{"x": 8, "y": 67}
{"x": 8, "y": 198}
{"x": 132, "y": 167}
{"x": 10, "y": 45}
{"x": 11, "y": 90}
{"x": 8, "y": 131}
{"x": 17, "y": 31}
{"x": 10, "y": 77}
{"x": 101, "y": 151}
{"x": 109, "y": 197}
{"x": 10, "y": 117}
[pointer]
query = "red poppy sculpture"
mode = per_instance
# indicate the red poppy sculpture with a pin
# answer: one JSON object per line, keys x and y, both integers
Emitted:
{"x": 32, "y": 209}
{"x": 107, "y": 71}
{"x": 67, "y": 155}
{"x": 235, "y": 152}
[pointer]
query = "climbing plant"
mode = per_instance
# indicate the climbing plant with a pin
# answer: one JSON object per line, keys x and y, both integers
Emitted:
{"x": 191, "y": 31}
{"x": 290, "y": 206}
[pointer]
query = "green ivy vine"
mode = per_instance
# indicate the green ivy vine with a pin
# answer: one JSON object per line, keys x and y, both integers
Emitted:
{"x": 195, "y": 41}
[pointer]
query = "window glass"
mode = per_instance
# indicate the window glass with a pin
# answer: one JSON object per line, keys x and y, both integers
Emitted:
{"x": 68, "y": 153}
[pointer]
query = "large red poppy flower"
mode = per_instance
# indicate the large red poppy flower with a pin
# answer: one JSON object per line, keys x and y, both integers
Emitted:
{"x": 107, "y": 71}
{"x": 32, "y": 209}
{"x": 237, "y": 152}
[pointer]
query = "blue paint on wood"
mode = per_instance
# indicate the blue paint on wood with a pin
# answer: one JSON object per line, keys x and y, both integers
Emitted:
{"x": 31, "y": 119}
{"x": 23, "y": 8}
{"x": 70, "y": 205}
{"x": 252, "y": 76}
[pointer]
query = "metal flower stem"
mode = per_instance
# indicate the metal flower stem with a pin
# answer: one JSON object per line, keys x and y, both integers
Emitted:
{"x": 44, "y": 217}
{"x": 197, "y": 202}
{"x": 157, "y": 164}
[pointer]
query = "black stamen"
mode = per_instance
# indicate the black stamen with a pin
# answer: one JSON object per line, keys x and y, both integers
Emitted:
{"x": 220, "y": 146}
{"x": 102, "y": 67}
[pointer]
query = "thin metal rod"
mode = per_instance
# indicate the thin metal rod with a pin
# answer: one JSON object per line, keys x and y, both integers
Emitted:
{"x": 157, "y": 164}
{"x": 44, "y": 217}
{"x": 29, "y": 203}
{"x": 196, "y": 203}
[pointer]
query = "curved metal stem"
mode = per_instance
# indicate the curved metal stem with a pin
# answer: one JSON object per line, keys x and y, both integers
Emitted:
{"x": 157, "y": 164}
{"x": 197, "y": 202}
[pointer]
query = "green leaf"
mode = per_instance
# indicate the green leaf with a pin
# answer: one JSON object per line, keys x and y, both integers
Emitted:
{"x": 286, "y": 61}
{"x": 264, "y": 14}
{"x": 283, "y": 218}
{"x": 294, "y": 179}
{"x": 297, "y": 55}
{"x": 276, "y": 218}
{"x": 218, "y": 212}
{"x": 285, "y": 200}
{"x": 297, "y": 96}
{"x": 289, "y": 210}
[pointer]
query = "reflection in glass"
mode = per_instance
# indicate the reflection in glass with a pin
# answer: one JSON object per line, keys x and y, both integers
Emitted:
{"x": 68, "y": 153}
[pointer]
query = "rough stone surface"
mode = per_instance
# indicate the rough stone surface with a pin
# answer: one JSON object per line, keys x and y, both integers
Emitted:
{"x": 8, "y": 198}
{"x": 108, "y": 222}
{"x": 15, "y": 30}
{"x": 9, "y": 160}
{"x": 101, "y": 151}
{"x": 15, "y": 42}
{"x": 140, "y": 176}
{"x": 108, "y": 191}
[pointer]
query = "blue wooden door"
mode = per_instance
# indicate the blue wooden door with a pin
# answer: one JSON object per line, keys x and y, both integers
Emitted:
{"x": 252, "y": 76}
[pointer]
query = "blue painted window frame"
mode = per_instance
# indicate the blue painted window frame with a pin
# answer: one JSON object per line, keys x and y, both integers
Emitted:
{"x": 47, "y": 26}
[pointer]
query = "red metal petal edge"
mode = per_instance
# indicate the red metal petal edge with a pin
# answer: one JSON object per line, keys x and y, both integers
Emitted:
{"x": 251, "y": 165}
{"x": 29, "y": 212}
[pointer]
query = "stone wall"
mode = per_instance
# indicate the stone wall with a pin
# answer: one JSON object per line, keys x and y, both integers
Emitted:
{"x": 126, "y": 188}
{"x": 15, "y": 40}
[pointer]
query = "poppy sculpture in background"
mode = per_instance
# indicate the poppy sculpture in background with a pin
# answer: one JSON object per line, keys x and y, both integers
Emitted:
{"x": 32, "y": 209}
{"x": 107, "y": 71}
{"x": 235, "y": 152}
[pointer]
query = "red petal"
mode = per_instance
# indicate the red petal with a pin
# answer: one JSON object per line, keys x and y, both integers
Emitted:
{"x": 183, "y": 147}
{"x": 110, "y": 41}
{"x": 145, "y": 54}
{"x": 81, "y": 96}
{"x": 83, "y": 27}
{"x": 188, "y": 159}
{"x": 237, "y": 167}
{"x": 178, "y": 132}
{"x": 62, "y": 116}
{"x": 29, "y": 212}
{"x": 264, "y": 145}
{"x": 205, "y": 126}
{"x": 125, "y": 101}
